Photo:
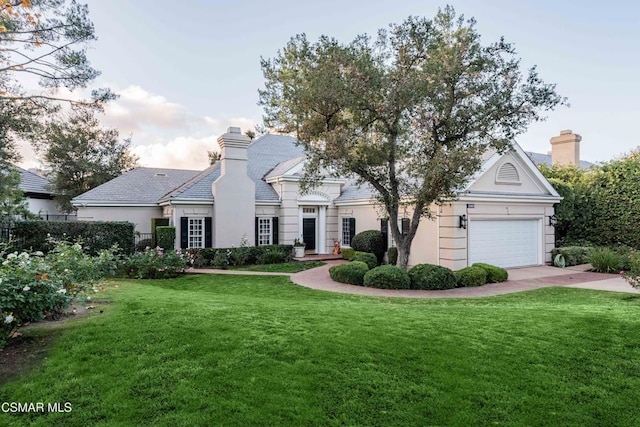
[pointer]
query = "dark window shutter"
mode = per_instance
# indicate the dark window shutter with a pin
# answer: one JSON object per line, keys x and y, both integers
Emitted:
{"x": 207, "y": 232}
{"x": 256, "y": 231}
{"x": 405, "y": 226}
{"x": 384, "y": 229}
{"x": 184, "y": 232}
{"x": 352, "y": 229}
{"x": 274, "y": 230}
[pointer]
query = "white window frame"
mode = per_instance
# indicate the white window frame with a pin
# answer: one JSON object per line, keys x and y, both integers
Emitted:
{"x": 195, "y": 239}
{"x": 265, "y": 231}
{"x": 343, "y": 231}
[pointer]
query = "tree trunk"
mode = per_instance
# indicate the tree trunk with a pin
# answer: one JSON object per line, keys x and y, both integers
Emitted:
{"x": 404, "y": 250}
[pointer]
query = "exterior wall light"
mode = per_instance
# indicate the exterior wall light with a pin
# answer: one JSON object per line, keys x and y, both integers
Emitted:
{"x": 553, "y": 220}
{"x": 463, "y": 221}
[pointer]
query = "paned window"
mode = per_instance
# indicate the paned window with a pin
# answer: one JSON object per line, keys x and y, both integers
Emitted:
{"x": 196, "y": 232}
{"x": 264, "y": 231}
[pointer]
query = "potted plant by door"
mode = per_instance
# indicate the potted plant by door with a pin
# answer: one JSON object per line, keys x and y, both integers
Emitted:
{"x": 298, "y": 248}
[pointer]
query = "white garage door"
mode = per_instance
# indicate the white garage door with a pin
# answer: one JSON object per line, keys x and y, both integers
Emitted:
{"x": 511, "y": 243}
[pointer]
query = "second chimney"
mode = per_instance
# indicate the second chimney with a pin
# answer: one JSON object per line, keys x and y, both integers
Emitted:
{"x": 565, "y": 148}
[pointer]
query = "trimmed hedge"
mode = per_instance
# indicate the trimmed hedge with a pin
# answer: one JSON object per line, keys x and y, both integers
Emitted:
{"x": 95, "y": 235}
{"x": 347, "y": 253}
{"x": 371, "y": 241}
{"x": 392, "y": 255}
{"x": 351, "y": 272}
{"x": 471, "y": 276}
{"x": 573, "y": 255}
{"x": 368, "y": 258}
{"x": 243, "y": 255}
{"x": 431, "y": 277}
{"x": 387, "y": 277}
{"x": 166, "y": 237}
{"x": 494, "y": 274}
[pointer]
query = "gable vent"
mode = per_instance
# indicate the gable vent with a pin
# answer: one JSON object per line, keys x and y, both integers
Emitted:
{"x": 508, "y": 173}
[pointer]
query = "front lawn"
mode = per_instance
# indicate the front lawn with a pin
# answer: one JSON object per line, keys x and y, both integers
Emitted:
{"x": 283, "y": 267}
{"x": 254, "y": 350}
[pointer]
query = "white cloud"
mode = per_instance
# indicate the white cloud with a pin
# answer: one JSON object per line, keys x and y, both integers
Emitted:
{"x": 164, "y": 133}
{"x": 179, "y": 153}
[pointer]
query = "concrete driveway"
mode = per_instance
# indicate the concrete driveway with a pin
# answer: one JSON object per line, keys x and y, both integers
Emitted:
{"x": 520, "y": 279}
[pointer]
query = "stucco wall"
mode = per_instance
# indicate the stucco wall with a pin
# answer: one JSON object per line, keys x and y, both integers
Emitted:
{"x": 528, "y": 183}
{"x": 42, "y": 206}
{"x": 140, "y": 216}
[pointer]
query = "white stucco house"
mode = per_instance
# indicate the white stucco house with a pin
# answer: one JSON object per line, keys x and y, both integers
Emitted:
{"x": 503, "y": 217}
{"x": 39, "y": 196}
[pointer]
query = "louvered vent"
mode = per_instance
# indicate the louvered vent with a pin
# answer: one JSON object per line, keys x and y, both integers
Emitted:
{"x": 508, "y": 173}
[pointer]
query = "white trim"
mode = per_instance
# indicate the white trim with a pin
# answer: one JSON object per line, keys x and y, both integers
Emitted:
{"x": 269, "y": 221}
{"x": 113, "y": 204}
{"x": 513, "y": 198}
{"x": 322, "y": 230}
{"x": 355, "y": 202}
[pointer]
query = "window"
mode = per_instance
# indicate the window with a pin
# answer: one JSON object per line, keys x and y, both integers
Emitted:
{"x": 196, "y": 232}
{"x": 264, "y": 231}
{"x": 348, "y": 230}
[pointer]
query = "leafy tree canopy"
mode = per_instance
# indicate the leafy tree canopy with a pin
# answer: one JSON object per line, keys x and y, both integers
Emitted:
{"x": 81, "y": 155}
{"x": 409, "y": 112}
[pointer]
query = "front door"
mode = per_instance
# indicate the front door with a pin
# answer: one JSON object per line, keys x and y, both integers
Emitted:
{"x": 309, "y": 233}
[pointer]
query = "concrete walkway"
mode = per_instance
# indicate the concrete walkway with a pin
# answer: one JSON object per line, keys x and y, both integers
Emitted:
{"x": 520, "y": 279}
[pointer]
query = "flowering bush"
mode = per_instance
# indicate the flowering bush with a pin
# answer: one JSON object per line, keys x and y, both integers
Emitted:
{"x": 33, "y": 286}
{"x": 632, "y": 275}
{"x": 155, "y": 263}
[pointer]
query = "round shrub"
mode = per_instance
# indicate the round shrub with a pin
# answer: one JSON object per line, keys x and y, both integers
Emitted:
{"x": 431, "y": 277}
{"x": 494, "y": 274}
{"x": 471, "y": 276}
{"x": 351, "y": 273}
{"x": 387, "y": 277}
{"x": 347, "y": 253}
{"x": 368, "y": 258}
{"x": 371, "y": 241}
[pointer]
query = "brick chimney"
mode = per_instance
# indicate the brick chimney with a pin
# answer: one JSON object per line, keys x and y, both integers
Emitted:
{"x": 234, "y": 193}
{"x": 565, "y": 148}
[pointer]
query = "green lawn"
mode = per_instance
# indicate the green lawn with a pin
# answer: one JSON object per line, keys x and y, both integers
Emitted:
{"x": 248, "y": 350}
{"x": 284, "y": 267}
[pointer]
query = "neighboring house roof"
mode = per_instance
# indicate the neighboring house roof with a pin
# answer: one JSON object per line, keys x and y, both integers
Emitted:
{"x": 32, "y": 183}
{"x": 139, "y": 185}
{"x": 283, "y": 167}
{"x": 265, "y": 154}
{"x": 545, "y": 159}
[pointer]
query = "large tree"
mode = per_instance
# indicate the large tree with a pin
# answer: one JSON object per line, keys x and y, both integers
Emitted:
{"x": 81, "y": 155}
{"x": 43, "y": 46}
{"x": 409, "y": 113}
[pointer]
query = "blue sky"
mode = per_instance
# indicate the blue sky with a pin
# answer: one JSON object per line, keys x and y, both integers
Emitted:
{"x": 187, "y": 70}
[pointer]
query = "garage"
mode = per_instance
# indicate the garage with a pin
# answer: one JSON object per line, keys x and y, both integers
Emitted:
{"x": 505, "y": 243}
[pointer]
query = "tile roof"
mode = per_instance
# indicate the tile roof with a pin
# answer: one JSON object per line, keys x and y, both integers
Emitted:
{"x": 139, "y": 185}
{"x": 264, "y": 154}
{"x": 32, "y": 183}
{"x": 545, "y": 159}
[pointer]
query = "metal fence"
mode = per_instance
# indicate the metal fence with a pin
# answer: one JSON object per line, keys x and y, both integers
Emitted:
{"x": 61, "y": 217}
{"x": 142, "y": 240}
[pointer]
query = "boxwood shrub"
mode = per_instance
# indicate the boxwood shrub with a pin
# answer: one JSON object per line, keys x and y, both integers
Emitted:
{"x": 347, "y": 253}
{"x": 387, "y": 277}
{"x": 392, "y": 255}
{"x": 166, "y": 237}
{"x": 573, "y": 255}
{"x": 366, "y": 257}
{"x": 95, "y": 235}
{"x": 494, "y": 274}
{"x": 431, "y": 277}
{"x": 371, "y": 241}
{"x": 351, "y": 272}
{"x": 471, "y": 276}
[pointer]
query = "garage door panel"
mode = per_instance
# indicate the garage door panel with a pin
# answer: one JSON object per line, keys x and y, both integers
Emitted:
{"x": 505, "y": 243}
